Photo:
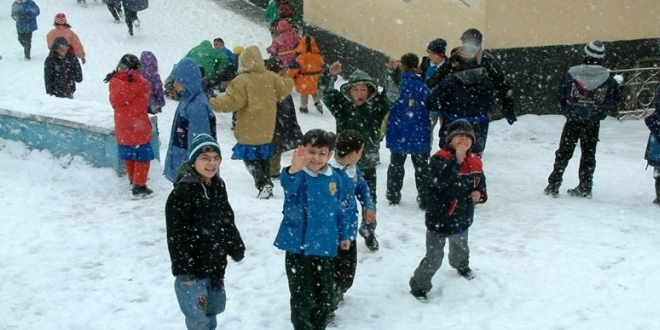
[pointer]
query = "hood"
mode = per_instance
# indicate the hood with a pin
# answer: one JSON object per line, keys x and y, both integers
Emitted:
{"x": 359, "y": 77}
{"x": 148, "y": 62}
{"x": 589, "y": 76}
{"x": 283, "y": 26}
{"x": 60, "y": 41}
{"x": 307, "y": 45}
{"x": 186, "y": 173}
{"x": 251, "y": 60}
{"x": 187, "y": 73}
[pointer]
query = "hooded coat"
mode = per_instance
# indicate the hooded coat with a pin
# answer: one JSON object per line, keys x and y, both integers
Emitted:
{"x": 285, "y": 40}
{"x": 149, "y": 70}
{"x": 307, "y": 67}
{"x": 253, "y": 94}
{"x": 70, "y": 36}
{"x": 61, "y": 73}
{"x": 193, "y": 116}
{"x": 209, "y": 58}
{"x": 409, "y": 124}
{"x": 25, "y": 14}
{"x": 129, "y": 96}
{"x": 588, "y": 93}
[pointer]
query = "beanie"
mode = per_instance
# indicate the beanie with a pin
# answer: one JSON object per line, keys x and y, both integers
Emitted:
{"x": 437, "y": 46}
{"x": 410, "y": 60}
{"x": 129, "y": 62}
{"x": 60, "y": 19}
{"x": 594, "y": 49}
{"x": 457, "y": 127}
{"x": 473, "y": 36}
{"x": 200, "y": 143}
{"x": 238, "y": 50}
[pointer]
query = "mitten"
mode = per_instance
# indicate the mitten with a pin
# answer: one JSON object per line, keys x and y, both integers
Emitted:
{"x": 83, "y": 60}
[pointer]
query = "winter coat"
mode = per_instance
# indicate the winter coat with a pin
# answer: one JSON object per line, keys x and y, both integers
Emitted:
{"x": 253, "y": 94}
{"x": 201, "y": 231}
{"x": 356, "y": 187}
{"x": 70, "y": 36}
{"x": 285, "y": 41}
{"x": 61, "y": 73}
{"x": 193, "y": 116}
{"x": 587, "y": 92}
{"x": 288, "y": 134}
{"x": 229, "y": 72}
{"x": 129, "y": 96}
{"x": 366, "y": 118}
{"x": 25, "y": 14}
{"x": 149, "y": 70}
{"x": 307, "y": 67}
{"x": 409, "y": 124}
{"x": 209, "y": 58}
{"x": 314, "y": 219}
{"x": 450, "y": 209}
{"x": 652, "y": 154}
{"x": 135, "y": 5}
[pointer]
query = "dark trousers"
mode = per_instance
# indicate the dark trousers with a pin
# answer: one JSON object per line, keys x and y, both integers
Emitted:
{"x": 345, "y": 265}
{"x": 25, "y": 39}
{"x": 480, "y": 134}
{"x": 311, "y": 284}
{"x": 369, "y": 175}
{"x": 396, "y": 172}
{"x": 129, "y": 17}
{"x": 587, "y": 133}
{"x": 260, "y": 171}
{"x": 114, "y": 11}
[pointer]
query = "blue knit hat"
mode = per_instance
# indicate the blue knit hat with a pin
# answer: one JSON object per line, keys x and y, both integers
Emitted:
{"x": 201, "y": 144}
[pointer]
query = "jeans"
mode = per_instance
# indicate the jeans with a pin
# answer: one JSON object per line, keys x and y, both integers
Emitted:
{"x": 200, "y": 303}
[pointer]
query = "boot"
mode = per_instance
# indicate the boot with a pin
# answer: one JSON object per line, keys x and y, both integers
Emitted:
{"x": 580, "y": 191}
{"x": 319, "y": 107}
{"x": 303, "y": 110}
{"x": 141, "y": 191}
{"x": 551, "y": 190}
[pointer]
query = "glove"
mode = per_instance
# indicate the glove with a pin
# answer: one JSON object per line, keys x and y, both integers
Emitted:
{"x": 83, "y": 60}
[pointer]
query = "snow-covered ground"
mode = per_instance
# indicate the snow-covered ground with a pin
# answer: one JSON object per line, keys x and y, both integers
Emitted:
{"x": 77, "y": 253}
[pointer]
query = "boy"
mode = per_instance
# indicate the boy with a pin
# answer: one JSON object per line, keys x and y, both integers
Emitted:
{"x": 457, "y": 182}
{"x": 314, "y": 224}
{"x": 358, "y": 106}
{"x": 200, "y": 234}
{"x": 61, "y": 70}
{"x": 652, "y": 151}
{"x": 408, "y": 131}
{"x": 348, "y": 150}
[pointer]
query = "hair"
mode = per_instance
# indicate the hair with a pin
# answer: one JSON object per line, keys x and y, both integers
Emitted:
{"x": 219, "y": 40}
{"x": 127, "y": 62}
{"x": 319, "y": 138}
{"x": 410, "y": 60}
{"x": 348, "y": 141}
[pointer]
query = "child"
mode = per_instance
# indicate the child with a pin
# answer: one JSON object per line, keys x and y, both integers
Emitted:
{"x": 284, "y": 42}
{"x": 149, "y": 70}
{"x": 208, "y": 58}
{"x": 63, "y": 29}
{"x": 314, "y": 225}
{"x": 359, "y": 106}
{"x": 114, "y": 6}
{"x": 129, "y": 97}
{"x": 348, "y": 150}
{"x": 653, "y": 149}
{"x": 131, "y": 8}
{"x": 457, "y": 182}
{"x": 305, "y": 71}
{"x": 287, "y": 134}
{"x": 408, "y": 131}
{"x": 193, "y": 116}
{"x": 201, "y": 233}
{"x": 25, "y": 13}
{"x": 254, "y": 95}
{"x": 61, "y": 70}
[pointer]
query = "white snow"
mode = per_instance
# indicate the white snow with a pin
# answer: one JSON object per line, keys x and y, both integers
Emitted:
{"x": 77, "y": 253}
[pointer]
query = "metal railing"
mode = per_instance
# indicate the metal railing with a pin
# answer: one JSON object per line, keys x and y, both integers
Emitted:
{"x": 639, "y": 89}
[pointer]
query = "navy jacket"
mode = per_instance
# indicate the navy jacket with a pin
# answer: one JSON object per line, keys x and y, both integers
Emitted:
{"x": 25, "y": 14}
{"x": 588, "y": 93}
{"x": 61, "y": 73}
{"x": 409, "y": 124}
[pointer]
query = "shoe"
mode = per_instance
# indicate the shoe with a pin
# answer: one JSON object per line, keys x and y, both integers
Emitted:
{"x": 466, "y": 272}
{"x": 579, "y": 192}
{"x": 303, "y": 110}
{"x": 141, "y": 191}
{"x": 319, "y": 107}
{"x": 551, "y": 190}
{"x": 371, "y": 242}
{"x": 130, "y": 31}
{"x": 420, "y": 295}
{"x": 266, "y": 192}
{"x": 136, "y": 23}
{"x": 421, "y": 202}
{"x": 656, "y": 200}
{"x": 393, "y": 198}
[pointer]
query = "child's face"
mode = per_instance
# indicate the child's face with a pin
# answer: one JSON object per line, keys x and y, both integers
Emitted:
{"x": 207, "y": 164}
{"x": 359, "y": 94}
{"x": 218, "y": 44}
{"x": 178, "y": 87}
{"x": 435, "y": 58}
{"x": 318, "y": 157}
{"x": 62, "y": 51}
{"x": 461, "y": 140}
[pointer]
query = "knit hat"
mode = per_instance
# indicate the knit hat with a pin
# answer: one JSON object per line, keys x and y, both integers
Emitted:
{"x": 594, "y": 50}
{"x": 60, "y": 19}
{"x": 238, "y": 50}
{"x": 473, "y": 36}
{"x": 457, "y": 127}
{"x": 410, "y": 60}
{"x": 129, "y": 61}
{"x": 202, "y": 143}
{"x": 437, "y": 46}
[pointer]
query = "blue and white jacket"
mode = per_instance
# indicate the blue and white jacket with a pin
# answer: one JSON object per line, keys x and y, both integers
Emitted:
{"x": 356, "y": 187}
{"x": 588, "y": 93}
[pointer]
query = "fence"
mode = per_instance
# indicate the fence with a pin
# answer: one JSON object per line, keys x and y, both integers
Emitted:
{"x": 639, "y": 89}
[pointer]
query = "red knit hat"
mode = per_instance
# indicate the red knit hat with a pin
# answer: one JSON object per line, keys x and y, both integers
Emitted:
{"x": 60, "y": 19}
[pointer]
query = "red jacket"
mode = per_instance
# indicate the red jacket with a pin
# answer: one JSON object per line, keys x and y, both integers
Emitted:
{"x": 130, "y": 99}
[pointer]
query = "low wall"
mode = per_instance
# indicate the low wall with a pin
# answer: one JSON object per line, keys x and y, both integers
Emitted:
{"x": 96, "y": 145}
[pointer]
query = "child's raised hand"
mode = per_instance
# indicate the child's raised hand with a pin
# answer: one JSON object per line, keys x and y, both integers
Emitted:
{"x": 369, "y": 216}
{"x": 335, "y": 68}
{"x": 299, "y": 160}
{"x": 475, "y": 196}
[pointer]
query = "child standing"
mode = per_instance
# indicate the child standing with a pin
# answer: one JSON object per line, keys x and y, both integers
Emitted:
{"x": 348, "y": 151}
{"x": 314, "y": 225}
{"x": 201, "y": 233}
{"x": 61, "y": 70}
{"x": 25, "y": 13}
{"x": 457, "y": 183}
{"x": 359, "y": 106}
{"x": 305, "y": 71}
{"x": 408, "y": 131}
{"x": 63, "y": 29}
{"x": 149, "y": 70}
{"x": 114, "y": 6}
{"x": 129, "y": 96}
{"x": 131, "y": 8}
{"x": 653, "y": 149}
{"x": 284, "y": 42}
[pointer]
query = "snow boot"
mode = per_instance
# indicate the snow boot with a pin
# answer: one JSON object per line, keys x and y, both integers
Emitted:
{"x": 303, "y": 110}
{"x": 551, "y": 190}
{"x": 319, "y": 107}
{"x": 265, "y": 192}
{"x": 141, "y": 192}
{"x": 466, "y": 273}
{"x": 579, "y": 191}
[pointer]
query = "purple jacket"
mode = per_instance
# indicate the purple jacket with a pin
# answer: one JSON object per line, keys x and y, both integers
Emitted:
{"x": 149, "y": 70}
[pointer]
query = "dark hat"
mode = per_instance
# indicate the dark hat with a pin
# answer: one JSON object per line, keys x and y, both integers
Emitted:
{"x": 274, "y": 64}
{"x": 437, "y": 46}
{"x": 457, "y": 127}
{"x": 473, "y": 36}
{"x": 410, "y": 60}
{"x": 594, "y": 50}
{"x": 202, "y": 143}
{"x": 129, "y": 61}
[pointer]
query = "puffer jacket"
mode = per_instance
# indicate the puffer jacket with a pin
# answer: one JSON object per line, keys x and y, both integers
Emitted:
{"x": 253, "y": 94}
{"x": 409, "y": 124}
{"x": 61, "y": 73}
{"x": 70, "y": 36}
{"x": 149, "y": 70}
{"x": 25, "y": 14}
{"x": 285, "y": 41}
{"x": 209, "y": 58}
{"x": 129, "y": 96}
{"x": 307, "y": 68}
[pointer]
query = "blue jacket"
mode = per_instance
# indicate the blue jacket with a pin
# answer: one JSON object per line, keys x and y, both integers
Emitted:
{"x": 652, "y": 154}
{"x": 356, "y": 186}
{"x": 135, "y": 5}
{"x": 314, "y": 213}
{"x": 588, "y": 93}
{"x": 409, "y": 124}
{"x": 193, "y": 116}
{"x": 25, "y": 14}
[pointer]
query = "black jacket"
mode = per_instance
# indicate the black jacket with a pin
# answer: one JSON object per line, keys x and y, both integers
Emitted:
{"x": 201, "y": 232}
{"x": 61, "y": 73}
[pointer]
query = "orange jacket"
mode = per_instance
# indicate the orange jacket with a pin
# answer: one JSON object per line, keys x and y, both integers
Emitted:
{"x": 70, "y": 36}
{"x": 306, "y": 69}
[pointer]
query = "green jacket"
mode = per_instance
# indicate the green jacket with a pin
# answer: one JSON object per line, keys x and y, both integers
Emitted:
{"x": 209, "y": 58}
